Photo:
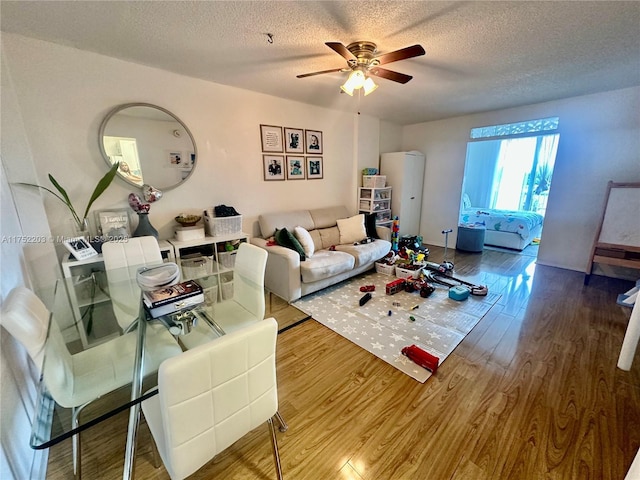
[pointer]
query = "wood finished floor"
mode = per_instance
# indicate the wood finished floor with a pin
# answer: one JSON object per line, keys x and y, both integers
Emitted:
{"x": 532, "y": 392}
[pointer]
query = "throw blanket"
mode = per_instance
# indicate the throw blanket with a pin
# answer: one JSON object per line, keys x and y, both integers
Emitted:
{"x": 513, "y": 221}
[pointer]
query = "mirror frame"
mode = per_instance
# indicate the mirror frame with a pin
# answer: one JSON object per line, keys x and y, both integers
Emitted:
{"x": 118, "y": 109}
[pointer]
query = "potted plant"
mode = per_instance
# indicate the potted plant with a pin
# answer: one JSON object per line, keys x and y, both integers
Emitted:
{"x": 81, "y": 222}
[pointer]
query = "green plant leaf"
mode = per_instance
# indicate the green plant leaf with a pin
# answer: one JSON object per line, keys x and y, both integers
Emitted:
{"x": 102, "y": 186}
{"x": 66, "y": 200}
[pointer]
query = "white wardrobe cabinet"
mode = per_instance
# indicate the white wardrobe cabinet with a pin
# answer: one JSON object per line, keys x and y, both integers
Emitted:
{"x": 405, "y": 173}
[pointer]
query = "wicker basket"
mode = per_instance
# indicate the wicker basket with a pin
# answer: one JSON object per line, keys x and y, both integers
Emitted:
{"x": 227, "y": 259}
{"x": 374, "y": 181}
{"x": 407, "y": 273}
{"x": 385, "y": 269}
{"x": 227, "y": 290}
{"x": 219, "y": 226}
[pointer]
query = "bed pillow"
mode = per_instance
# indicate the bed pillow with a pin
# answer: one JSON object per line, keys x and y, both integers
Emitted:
{"x": 304, "y": 237}
{"x": 466, "y": 201}
{"x": 286, "y": 239}
{"x": 351, "y": 229}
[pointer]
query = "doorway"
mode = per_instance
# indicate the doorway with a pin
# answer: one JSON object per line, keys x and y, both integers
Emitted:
{"x": 506, "y": 185}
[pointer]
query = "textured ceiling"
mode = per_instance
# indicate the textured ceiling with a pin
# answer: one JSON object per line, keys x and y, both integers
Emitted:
{"x": 480, "y": 55}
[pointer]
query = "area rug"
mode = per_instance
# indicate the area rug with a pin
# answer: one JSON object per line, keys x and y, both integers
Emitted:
{"x": 387, "y": 323}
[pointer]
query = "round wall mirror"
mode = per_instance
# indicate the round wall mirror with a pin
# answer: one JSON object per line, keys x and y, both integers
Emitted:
{"x": 152, "y": 145}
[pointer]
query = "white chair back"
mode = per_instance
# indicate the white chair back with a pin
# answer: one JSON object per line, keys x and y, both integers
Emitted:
{"x": 211, "y": 396}
{"x": 117, "y": 255}
{"x": 133, "y": 251}
{"x": 26, "y": 318}
{"x": 248, "y": 278}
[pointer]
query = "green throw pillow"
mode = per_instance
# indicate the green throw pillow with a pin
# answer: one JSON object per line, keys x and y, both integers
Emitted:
{"x": 286, "y": 239}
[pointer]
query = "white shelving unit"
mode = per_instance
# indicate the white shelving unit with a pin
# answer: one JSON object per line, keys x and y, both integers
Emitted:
{"x": 376, "y": 200}
{"x": 89, "y": 296}
{"x": 208, "y": 261}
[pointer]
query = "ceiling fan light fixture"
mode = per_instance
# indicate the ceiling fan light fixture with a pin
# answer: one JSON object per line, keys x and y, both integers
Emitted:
{"x": 355, "y": 81}
{"x": 369, "y": 86}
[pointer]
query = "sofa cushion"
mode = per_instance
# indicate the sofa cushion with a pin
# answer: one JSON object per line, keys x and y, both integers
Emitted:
{"x": 317, "y": 239}
{"x": 351, "y": 229}
{"x": 286, "y": 239}
{"x": 305, "y": 240}
{"x": 326, "y": 264}
{"x": 326, "y": 217}
{"x": 367, "y": 252}
{"x": 289, "y": 220}
{"x": 329, "y": 237}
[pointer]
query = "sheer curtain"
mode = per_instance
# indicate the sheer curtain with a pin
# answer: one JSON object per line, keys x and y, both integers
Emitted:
{"x": 515, "y": 161}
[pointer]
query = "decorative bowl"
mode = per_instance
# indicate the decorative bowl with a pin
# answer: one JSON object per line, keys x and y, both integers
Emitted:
{"x": 188, "y": 220}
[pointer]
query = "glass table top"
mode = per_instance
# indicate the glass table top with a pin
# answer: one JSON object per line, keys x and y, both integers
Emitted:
{"x": 91, "y": 350}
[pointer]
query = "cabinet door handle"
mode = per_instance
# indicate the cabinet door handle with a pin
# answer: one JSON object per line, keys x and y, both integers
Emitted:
{"x": 413, "y": 198}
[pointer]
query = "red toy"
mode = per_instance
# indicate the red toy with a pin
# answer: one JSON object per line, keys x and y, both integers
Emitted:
{"x": 395, "y": 286}
{"x": 368, "y": 288}
{"x": 422, "y": 358}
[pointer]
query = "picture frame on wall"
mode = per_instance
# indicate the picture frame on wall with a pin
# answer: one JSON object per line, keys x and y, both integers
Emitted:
{"x": 293, "y": 140}
{"x": 271, "y": 138}
{"x": 313, "y": 141}
{"x": 274, "y": 167}
{"x": 113, "y": 224}
{"x": 295, "y": 168}
{"x": 315, "y": 169}
{"x": 175, "y": 159}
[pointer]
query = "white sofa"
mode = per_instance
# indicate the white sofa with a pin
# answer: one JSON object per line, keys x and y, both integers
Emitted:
{"x": 289, "y": 277}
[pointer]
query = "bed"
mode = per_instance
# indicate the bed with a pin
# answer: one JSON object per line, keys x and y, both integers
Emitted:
{"x": 505, "y": 228}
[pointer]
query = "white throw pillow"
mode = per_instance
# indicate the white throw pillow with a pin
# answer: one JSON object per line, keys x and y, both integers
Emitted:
{"x": 352, "y": 229}
{"x": 304, "y": 237}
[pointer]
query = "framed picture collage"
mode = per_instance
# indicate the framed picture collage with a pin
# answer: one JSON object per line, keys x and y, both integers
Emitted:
{"x": 291, "y": 153}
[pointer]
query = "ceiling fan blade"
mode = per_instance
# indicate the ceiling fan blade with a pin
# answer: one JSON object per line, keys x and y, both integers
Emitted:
{"x": 402, "y": 54}
{"x": 341, "y": 49}
{"x": 319, "y": 73}
{"x": 390, "y": 75}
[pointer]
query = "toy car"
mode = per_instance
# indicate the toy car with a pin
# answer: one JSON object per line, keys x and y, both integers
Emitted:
{"x": 395, "y": 286}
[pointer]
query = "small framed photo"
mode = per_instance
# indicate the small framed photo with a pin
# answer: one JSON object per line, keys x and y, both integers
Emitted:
{"x": 293, "y": 140}
{"x": 113, "y": 224}
{"x": 273, "y": 167}
{"x": 313, "y": 140}
{"x": 175, "y": 159}
{"x": 295, "y": 168}
{"x": 314, "y": 168}
{"x": 80, "y": 248}
{"x": 271, "y": 137}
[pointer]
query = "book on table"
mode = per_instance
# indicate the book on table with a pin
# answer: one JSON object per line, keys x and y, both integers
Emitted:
{"x": 174, "y": 298}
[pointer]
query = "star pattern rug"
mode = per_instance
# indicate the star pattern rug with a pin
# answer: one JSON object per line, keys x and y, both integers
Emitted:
{"x": 387, "y": 323}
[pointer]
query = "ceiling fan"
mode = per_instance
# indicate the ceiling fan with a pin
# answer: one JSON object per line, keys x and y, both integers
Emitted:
{"x": 363, "y": 62}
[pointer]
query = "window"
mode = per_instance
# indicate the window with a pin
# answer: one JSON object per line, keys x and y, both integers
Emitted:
{"x": 530, "y": 126}
{"x": 512, "y": 173}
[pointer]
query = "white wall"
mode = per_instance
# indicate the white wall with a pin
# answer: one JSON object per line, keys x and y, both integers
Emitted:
{"x": 22, "y": 215}
{"x": 599, "y": 141}
{"x": 65, "y": 93}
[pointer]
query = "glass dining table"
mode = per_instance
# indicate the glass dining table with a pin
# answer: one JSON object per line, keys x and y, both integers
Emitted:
{"x": 111, "y": 367}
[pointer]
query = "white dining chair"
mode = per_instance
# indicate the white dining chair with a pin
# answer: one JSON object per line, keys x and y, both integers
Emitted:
{"x": 247, "y": 305}
{"x": 135, "y": 251}
{"x": 211, "y": 396}
{"x": 76, "y": 380}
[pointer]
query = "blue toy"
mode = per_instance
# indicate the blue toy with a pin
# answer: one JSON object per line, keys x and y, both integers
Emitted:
{"x": 459, "y": 293}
